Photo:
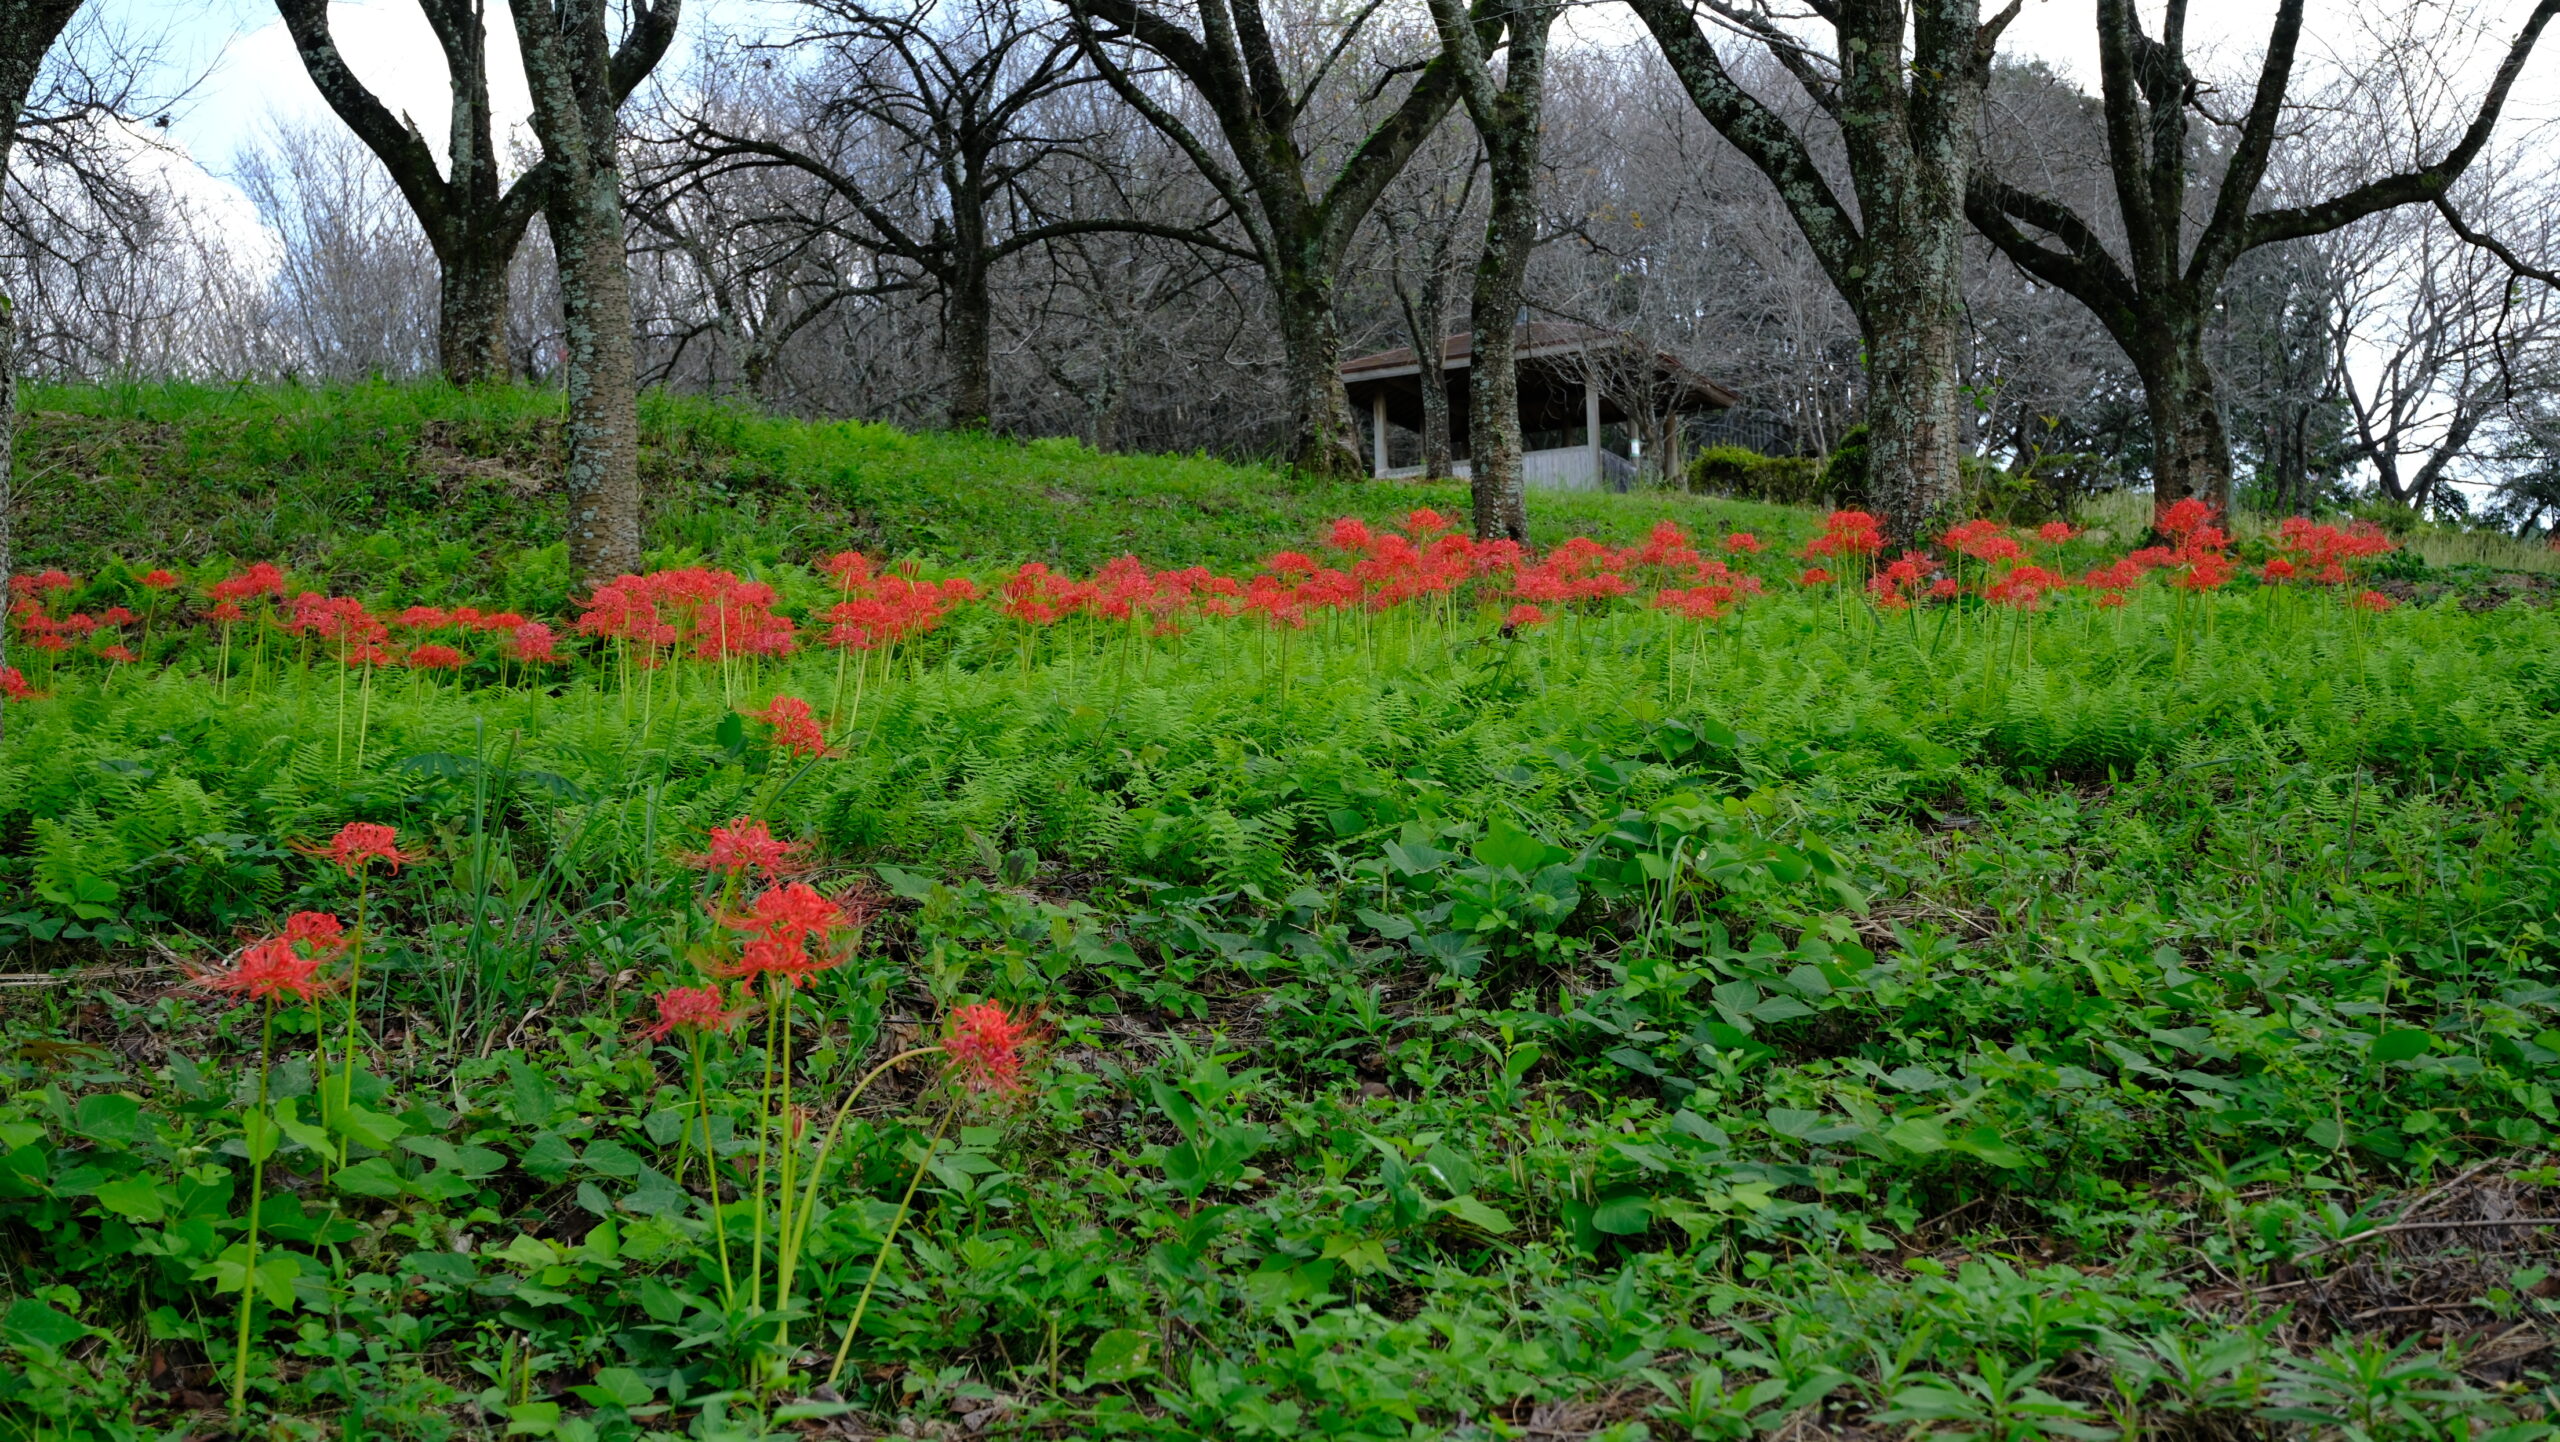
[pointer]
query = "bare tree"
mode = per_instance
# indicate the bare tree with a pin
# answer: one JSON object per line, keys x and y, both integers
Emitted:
{"x": 2433, "y": 338}
{"x": 2157, "y": 300}
{"x": 355, "y": 285}
{"x": 579, "y": 79}
{"x": 472, "y": 221}
{"x": 923, "y": 120}
{"x": 1298, "y": 198}
{"x": 1903, "y": 92}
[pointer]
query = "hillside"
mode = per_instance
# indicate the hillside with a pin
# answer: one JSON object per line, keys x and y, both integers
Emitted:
{"x": 426, "y": 493}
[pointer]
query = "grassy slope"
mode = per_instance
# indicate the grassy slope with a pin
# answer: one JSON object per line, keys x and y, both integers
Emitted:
{"x": 420, "y": 491}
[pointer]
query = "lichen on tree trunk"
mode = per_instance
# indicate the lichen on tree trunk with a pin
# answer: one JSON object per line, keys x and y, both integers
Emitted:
{"x": 575, "y": 78}
{"x": 603, "y": 433}
{"x": 471, "y": 315}
{"x": 1324, "y": 440}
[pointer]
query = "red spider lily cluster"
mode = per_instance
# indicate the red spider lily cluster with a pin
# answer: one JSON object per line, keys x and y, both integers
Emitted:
{"x": 789, "y": 932}
{"x": 2322, "y": 553}
{"x": 708, "y": 615}
{"x": 702, "y": 614}
{"x": 31, "y": 618}
{"x": 1852, "y": 536}
{"x": 881, "y": 608}
{"x": 288, "y": 966}
{"x": 779, "y": 931}
{"x": 795, "y": 726}
{"x": 747, "y": 848}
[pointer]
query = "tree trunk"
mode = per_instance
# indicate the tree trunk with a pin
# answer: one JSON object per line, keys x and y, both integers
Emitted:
{"x": 570, "y": 69}
{"x": 1324, "y": 441}
{"x": 2190, "y": 454}
{"x": 604, "y": 408}
{"x": 968, "y": 328}
{"x": 1912, "y": 450}
{"x": 1426, "y": 323}
{"x": 1507, "y": 124}
{"x": 1495, "y": 486}
{"x": 471, "y": 313}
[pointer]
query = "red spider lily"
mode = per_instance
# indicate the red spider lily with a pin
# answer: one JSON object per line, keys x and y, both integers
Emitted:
{"x": 780, "y": 927}
{"x": 2185, "y": 517}
{"x": 1814, "y": 576}
{"x": 1422, "y": 522}
{"x": 80, "y": 624}
{"x": 1944, "y": 589}
{"x": 850, "y": 568}
{"x": 690, "y": 1008}
{"x": 36, "y": 585}
{"x": 158, "y": 580}
{"x": 708, "y": 615}
{"x": 985, "y": 1047}
{"x": 262, "y": 579}
{"x": 744, "y": 846}
{"x": 422, "y": 618}
{"x": 1037, "y": 596}
{"x": 2326, "y": 552}
{"x": 1897, "y": 585}
{"x": 1847, "y": 533}
{"x": 117, "y": 616}
{"x": 2373, "y": 601}
{"x": 793, "y": 912}
{"x": 886, "y": 610}
{"x": 226, "y": 612}
{"x": 1984, "y": 541}
{"x": 359, "y": 844}
{"x": 2054, "y": 533}
{"x": 1742, "y": 543}
{"x": 342, "y": 619}
{"x": 1697, "y": 603}
{"x": 285, "y": 967}
{"x": 119, "y": 654}
{"x": 13, "y": 685}
{"x": 2025, "y": 587}
{"x": 2277, "y": 571}
{"x": 318, "y": 932}
{"x": 795, "y": 726}
{"x": 2203, "y": 570}
{"x": 435, "y": 657}
{"x": 1524, "y": 615}
{"x": 532, "y": 644}
{"x": 1350, "y": 534}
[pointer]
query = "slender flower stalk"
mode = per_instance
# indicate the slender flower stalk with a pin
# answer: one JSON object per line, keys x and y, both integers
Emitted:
{"x": 269, "y": 972}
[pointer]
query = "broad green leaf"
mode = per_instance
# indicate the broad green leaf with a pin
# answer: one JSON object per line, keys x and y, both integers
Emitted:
{"x": 1119, "y": 1355}
{"x": 111, "y": 1119}
{"x": 1476, "y": 1214}
{"x": 2400, "y": 1045}
{"x": 33, "y": 1323}
{"x": 372, "y": 1177}
{"x": 1623, "y": 1215}
{"x": 136, "y": 1199}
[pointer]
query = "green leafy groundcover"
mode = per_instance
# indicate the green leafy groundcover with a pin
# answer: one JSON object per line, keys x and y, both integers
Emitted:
{"x": 1811, "y": 1022}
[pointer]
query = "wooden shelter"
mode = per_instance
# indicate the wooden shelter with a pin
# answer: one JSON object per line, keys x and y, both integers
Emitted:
{"x": 1570, "y": 378}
